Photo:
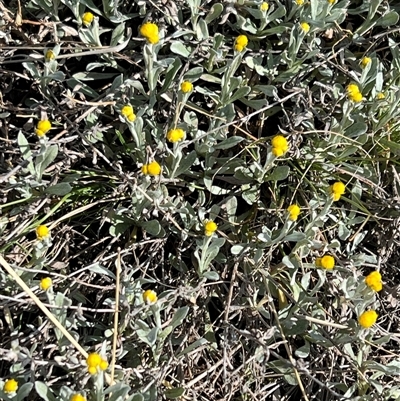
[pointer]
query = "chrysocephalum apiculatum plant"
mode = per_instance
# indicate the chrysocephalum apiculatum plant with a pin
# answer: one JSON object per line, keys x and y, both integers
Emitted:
{"x": 200, "y": 179}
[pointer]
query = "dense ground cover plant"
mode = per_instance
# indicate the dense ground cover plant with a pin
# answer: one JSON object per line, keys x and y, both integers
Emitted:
{"x": 199, "y": 200}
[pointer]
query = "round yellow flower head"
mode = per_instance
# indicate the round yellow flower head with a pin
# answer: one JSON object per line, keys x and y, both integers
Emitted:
{"x": 87, "y": 18}
{"x": 241, "y": 42}
{"x": 175, "y": 135}
{"x": 374, "y": 281}
{"x": 46, "y": 283}
{"x": 305, "y": 27}
{"x": 43, "y": 127}
{"x": 210, "y": 227}
{"x": 94, "y": 361}
{"x": 368, "y": 319}
{"x": 77, "y": 397}
{"x": 186, "y": 86}
{"x": 150, "y": 32}
{"x": 279, "y": 145}
{"x": 299, "y": 2}
{"x": 151, "y": 169}
{"x": 49, "y": 55}
{"x": 128, "y": 113}
{"x": 331, "y": 1}
{"x": 42, "y": 232}
{"x": 380, "y": 96}
{"x": 149, "y": 297}
{"x": 294, "y": 211}
{"x": 365, "y": 61}
{"x": 10, "y": 386}
{"x": 264, "y": 6}
{"x": 327, "y": 262}
{"x": 337, "y": 190}
{"x": 353, "y": 93}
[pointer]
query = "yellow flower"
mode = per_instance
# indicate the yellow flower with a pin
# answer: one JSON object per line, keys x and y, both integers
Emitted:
{"x": 150, "y": 297}
{"x": 365, "y": 61}
{"x": 95, "y": 361}
{"x": 10, "y": 386}
{"x": 77, "y": 397}
{"x": 264, "y": 6}
{"x": 151, "y": 169}
{"x": 128, "y": 113}
{"x": 46, "y": 283}
{"x": 299, "y": 2}
{"x": 337, "y": 190}
{"x": 49, "y": 55}
{"x": 331, "y": 1}
{"x": 186, "y": 86}
{"x": 305, "y": 27}
{"x": 353, "y": 93}
{"x": 279, "y": 145}
{"x": 294, "y": 211}
{"x": 374, "y": 281}
{"x": 241, "y": 42}
{"x": 87, "y": 18}
{"x": 368, "y": 319}
{"x": 327, "y": 262}
{"x": 210, "y": 227}
{"x": 380, "y": 96}
{"x": 42, "y": 232}
{"x": 150, "y": 32}
{"x": 43, "y": 127}
{"x": 175, "y": 135}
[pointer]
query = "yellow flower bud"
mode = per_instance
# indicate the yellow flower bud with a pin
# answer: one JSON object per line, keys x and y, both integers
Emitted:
{"x": 175, "y": 135}
{"x": 327, "y": 262}
{"x": 46, "y": 283}
{"x": 294, "y": 211}
{"x": 150, "y": 297}
{"x": 150, "y": 32}
{"x": 43, "y": 127}
{"x": 305, "y": 27}
{"x": 42, "y": 232}
{"x": 151, "y": 169}
{"x": 87, "y": 18}
{"x": 368, "y": 319}
{"x": 210, "y": 227}
{"x": 10, "y": 386}
{"x": 241, "y": 42}
{"x": 186, "y": 87}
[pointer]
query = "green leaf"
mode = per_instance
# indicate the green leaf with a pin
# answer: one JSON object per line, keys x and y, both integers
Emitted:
{"x": 44, "y": 160}
{"x": 24, "y": 391}
{"x": 152, "y": 336}
{"x": 173, "y": 393}
{"x": 240, "y": 93}
{"x": 97, "y": 268}
{"x": 179, "y": 316}
{"x": 229, "y": 142}
{"x": 198, "y": 343}
{"x": 211, "y": 275}
{"x": 356, "y": 130}
{"x": 215, "y": 12}
{"x": 186, "y": 163}
{"x": 153, "y": 227}
{"x": 44, "y": 392}
{"x": 391, "y": 18}
{"x": 179, "y": 48}
{"x": 117, "y": 391}
{"x": 24, "y": 147}
{"x": 60, "y": 189}
{"x": 280, "y": 173}
{"x": 135, "y": 397}
{"x": 118, "y": 34}
{"x": 171, "y": 73}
